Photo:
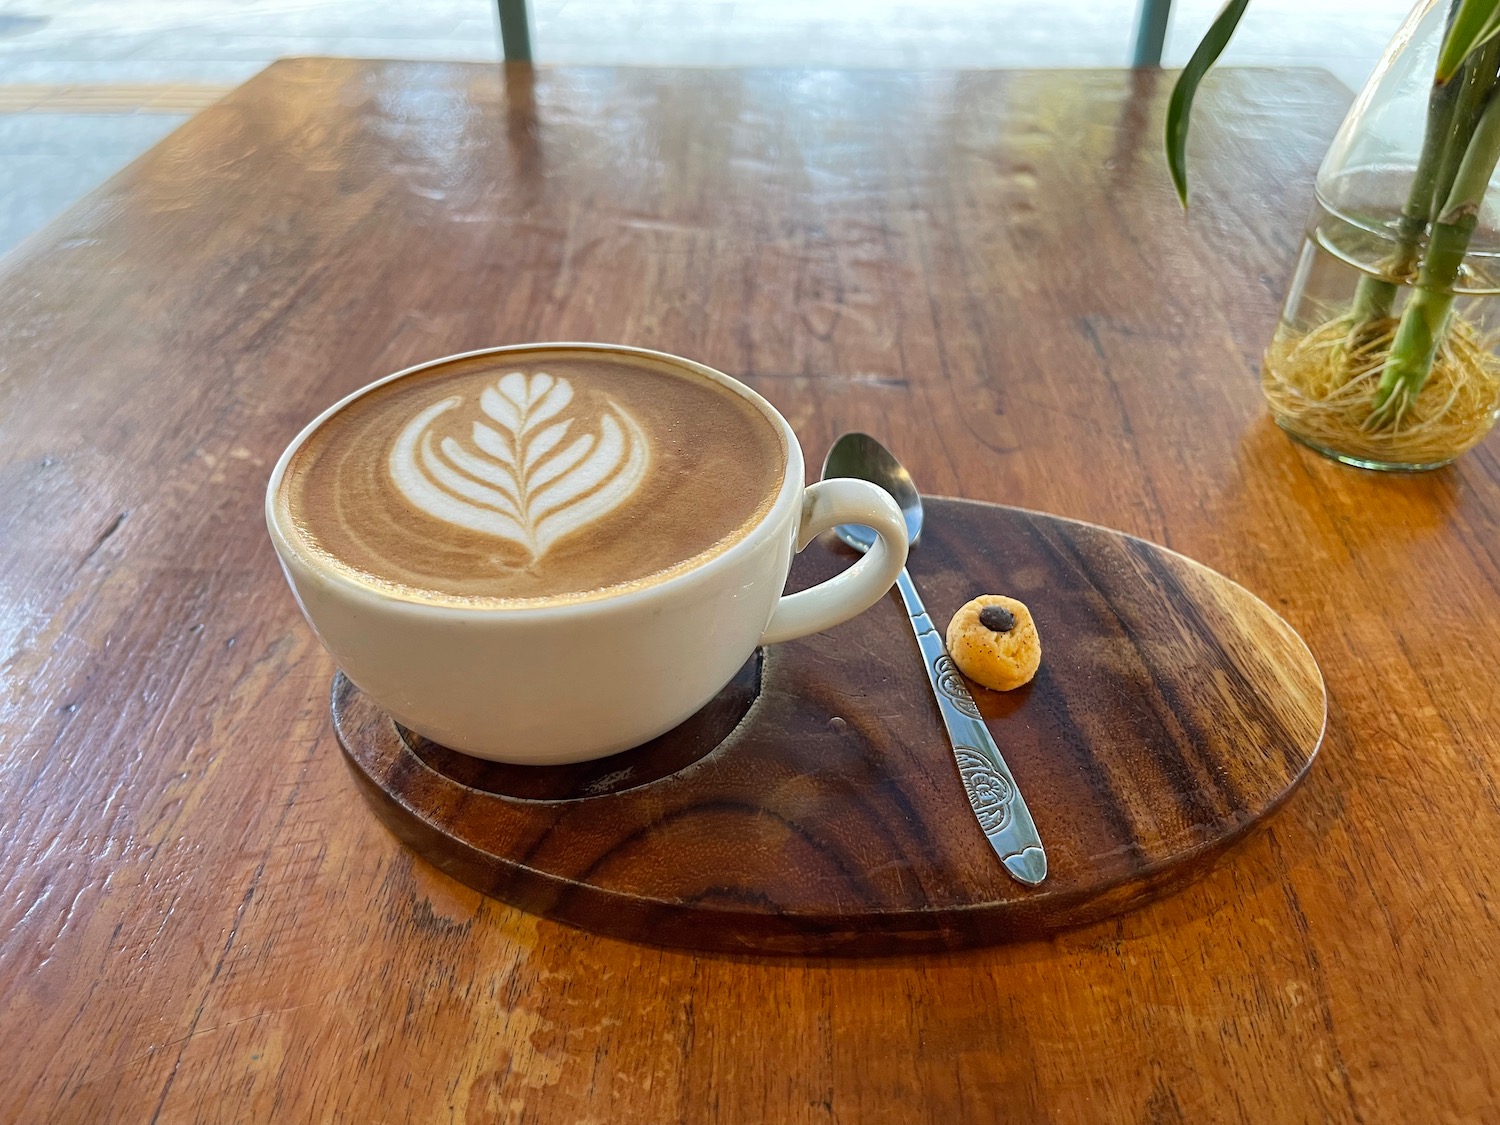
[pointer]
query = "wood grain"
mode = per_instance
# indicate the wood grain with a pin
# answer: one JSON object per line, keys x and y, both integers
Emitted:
{"x": 201, "y": 921}
{"x": 1174, "y": 712}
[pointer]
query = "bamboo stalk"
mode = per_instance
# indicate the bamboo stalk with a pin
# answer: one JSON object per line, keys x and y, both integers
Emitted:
{"x": 1476, "y": 80}
{"x": 1425, "y": 317}
{"x": 1375, "y": 297}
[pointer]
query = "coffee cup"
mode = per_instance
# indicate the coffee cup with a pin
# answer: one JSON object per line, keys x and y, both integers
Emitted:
{"x": 547, "y": 553}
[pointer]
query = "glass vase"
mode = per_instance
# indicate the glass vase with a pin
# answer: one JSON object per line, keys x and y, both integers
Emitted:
{"x": 1385, "y": 352}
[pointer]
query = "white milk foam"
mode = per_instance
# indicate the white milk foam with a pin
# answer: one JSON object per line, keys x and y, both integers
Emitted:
{"x": 512, "y": 480}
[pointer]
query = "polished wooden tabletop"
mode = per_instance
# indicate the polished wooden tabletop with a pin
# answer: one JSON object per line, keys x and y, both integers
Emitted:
{"x": 202, "y": 921}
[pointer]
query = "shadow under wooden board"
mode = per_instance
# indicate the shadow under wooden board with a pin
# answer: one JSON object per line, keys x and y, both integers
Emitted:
{"x": 815, "y": 807}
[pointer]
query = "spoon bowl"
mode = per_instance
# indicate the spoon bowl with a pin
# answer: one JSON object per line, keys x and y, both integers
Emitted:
{"x": 862, "y": 457}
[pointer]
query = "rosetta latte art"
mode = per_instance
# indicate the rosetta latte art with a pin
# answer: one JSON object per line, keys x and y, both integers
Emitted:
{"x": 519, "y": 477}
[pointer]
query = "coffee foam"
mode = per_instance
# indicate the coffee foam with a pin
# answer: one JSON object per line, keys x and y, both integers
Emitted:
{"x": 533, "y": 476}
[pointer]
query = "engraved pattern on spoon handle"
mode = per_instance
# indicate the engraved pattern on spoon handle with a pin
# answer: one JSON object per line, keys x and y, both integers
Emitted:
{"x": 988, "y": 782}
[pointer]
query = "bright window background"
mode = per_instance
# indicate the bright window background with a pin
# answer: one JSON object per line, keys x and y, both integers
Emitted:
{"x": 86, "y": 85}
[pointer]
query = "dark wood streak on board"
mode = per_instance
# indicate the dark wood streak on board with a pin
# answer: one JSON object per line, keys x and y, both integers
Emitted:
{"x": 1177, "y": 735}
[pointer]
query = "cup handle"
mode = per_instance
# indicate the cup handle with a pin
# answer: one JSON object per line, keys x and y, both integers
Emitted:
{"x": 824, "y": 505}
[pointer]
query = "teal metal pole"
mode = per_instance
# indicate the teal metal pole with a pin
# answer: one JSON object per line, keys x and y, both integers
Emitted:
{"x": 1150, "y": 32}
{"x": 515, "y": 31}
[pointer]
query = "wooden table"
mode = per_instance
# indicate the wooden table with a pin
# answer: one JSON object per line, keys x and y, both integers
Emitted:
{"x": 201, "y": 921}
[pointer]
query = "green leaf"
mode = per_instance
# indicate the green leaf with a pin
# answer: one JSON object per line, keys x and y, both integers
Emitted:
{"x": 1474, "y": 24}
{"x": 1181, "y": 105}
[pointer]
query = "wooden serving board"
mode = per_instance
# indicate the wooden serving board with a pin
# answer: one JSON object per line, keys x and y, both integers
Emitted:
{"x": 814, "y": 806}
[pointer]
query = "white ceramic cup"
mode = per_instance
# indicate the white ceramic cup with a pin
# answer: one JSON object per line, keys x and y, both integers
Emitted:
{"x": 548, "y": 684}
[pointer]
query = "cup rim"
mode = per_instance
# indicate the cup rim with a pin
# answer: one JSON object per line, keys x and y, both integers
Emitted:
{"x": 288, "y": 548}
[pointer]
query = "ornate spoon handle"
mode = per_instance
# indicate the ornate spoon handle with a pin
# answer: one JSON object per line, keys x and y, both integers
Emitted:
{"x": 992, "y": 791}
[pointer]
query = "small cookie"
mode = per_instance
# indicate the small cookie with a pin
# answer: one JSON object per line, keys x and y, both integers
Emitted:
{"x": 994, "y": 642}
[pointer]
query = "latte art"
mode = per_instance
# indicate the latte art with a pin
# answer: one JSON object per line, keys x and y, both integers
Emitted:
{"x": 532, "y": 474}
{"x": 517, "y": 480}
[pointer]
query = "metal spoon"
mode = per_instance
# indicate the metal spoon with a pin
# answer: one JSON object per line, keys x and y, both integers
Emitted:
{"x": 988, "y": 783}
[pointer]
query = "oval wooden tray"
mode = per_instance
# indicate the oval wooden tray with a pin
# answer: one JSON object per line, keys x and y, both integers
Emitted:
{"x": 815, "y": 807}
